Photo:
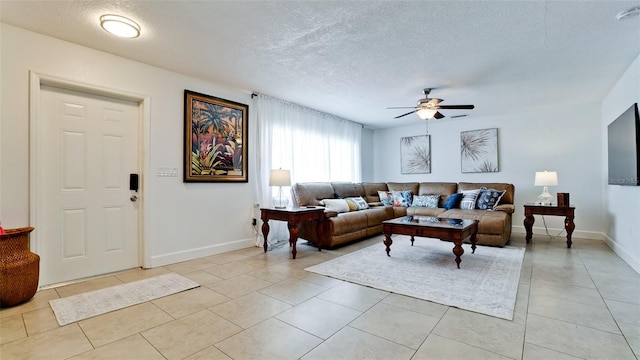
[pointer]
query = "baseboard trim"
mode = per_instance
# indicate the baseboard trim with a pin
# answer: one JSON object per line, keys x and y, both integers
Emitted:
{"x": 593, "y": 235}
{"x": 176, "y": 257}
{"x": 623, "y": 253}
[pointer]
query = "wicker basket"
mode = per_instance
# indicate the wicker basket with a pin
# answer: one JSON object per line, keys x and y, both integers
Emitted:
{"x": 19, "y": 267}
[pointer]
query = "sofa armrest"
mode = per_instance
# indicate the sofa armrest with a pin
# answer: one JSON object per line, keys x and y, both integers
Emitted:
{"x": 508, "y": 208}
{"x": 330, "y": 214}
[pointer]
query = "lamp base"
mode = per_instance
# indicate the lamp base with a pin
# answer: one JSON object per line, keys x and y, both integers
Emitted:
{"x": 545, "y": 197}
{"x": 280, "y": 202}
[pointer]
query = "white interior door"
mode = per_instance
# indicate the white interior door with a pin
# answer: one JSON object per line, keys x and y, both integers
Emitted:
{"x": 88, "y": 222}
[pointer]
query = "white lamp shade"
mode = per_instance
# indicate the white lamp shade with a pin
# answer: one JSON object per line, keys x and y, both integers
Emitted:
{"x": 546, "y": 178}
{"x": 280, "y": 177}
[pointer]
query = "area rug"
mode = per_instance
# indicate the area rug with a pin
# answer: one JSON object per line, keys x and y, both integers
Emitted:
{"x": 83, "y": 306}
{"x": 487, "y": 281}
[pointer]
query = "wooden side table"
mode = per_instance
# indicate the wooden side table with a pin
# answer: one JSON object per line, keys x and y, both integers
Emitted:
{"x": 293, "y": 217}
{"x": 536, "y": 209}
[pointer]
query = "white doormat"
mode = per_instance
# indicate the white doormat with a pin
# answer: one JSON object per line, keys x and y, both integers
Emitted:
{"x": 487, "y": 281}
{"x": 83, "y": 306}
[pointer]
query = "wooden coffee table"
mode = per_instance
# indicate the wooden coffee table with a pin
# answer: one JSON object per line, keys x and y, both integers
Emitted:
{"x": 455, "y": 230}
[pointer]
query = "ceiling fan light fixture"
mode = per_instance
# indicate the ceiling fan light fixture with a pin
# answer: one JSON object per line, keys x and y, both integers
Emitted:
{"x": 426, "y": 114}
{"x": 120, "y": 26}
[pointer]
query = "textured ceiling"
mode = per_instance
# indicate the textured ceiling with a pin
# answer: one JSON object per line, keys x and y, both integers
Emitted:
{"x": 355, "y": 58}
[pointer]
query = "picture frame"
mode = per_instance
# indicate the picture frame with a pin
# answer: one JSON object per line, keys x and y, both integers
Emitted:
{"x": 215, "y": 139}
{"x": 479, "y": 151}
{"x": 415, "y": 154}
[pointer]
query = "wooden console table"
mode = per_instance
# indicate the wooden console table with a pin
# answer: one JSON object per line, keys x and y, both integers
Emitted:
{"x": 293, "y": 217}
{"x": 536, "y": 209}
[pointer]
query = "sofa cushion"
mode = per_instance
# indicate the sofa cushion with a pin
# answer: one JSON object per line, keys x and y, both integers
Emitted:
{"x": 346, "y": 189}
{"x": 443, "y": 189}
{"x": 491, "y": 222}
{"x": 453, "y": 201}
{"x": 311, "y": 193}
{"x": 337, "y": 205}
{"x": 488, "y": 199}
{"x": 430, "y": 201}
{"x": 401, "y": 198}
{"x": 469, "y": 198}
{"x": 424, "y": 211}
{"x": 411, "y": 186}
{"x": 370, "y": 191}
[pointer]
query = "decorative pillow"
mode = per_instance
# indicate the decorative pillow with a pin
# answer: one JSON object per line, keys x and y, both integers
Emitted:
{"x": 430, "y": 201}
{"x": 469, "y": 197}
{"x": 352, "y": 205}
{"x": 453, "y": 201}
{"x": 385, "y": 198}
{"x": 337, "y": 205}
{"x": 401, "y": 198}
{"x": 489, "y": 199}
{"x": 360, "y": 203}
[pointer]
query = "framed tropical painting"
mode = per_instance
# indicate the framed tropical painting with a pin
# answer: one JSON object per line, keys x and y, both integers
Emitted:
{"x": 215, "y": 142}
{"x": 479, "y": 151}
{"x": 415, "y": 155}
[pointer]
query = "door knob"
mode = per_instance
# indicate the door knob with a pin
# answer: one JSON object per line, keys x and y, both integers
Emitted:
{"x": 133, "y": 198}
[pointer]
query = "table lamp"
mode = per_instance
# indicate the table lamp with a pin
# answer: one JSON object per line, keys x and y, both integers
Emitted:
{"x": 280, "y": 178}
{"x": 545, "y": 178}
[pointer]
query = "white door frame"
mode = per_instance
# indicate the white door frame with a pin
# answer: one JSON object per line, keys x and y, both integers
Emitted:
{"x": 36, "y": 80}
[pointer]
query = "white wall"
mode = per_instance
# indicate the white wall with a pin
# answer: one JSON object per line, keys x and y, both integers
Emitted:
{"x": 621, "y": 203}
{"x": 566, "y": 139}
{"x": 182, "y": 220}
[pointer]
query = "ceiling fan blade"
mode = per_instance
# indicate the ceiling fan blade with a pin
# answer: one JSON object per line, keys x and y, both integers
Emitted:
{"x": 399, "y": 116}
{"x": 459, "y": 107}
{"x": 438, "y": 115}
{"x": 402, "y": 107}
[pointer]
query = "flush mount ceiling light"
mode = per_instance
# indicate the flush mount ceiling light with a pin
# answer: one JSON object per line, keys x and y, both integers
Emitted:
{"x": 629, "y": 13}
{"x": 120, "y": 26}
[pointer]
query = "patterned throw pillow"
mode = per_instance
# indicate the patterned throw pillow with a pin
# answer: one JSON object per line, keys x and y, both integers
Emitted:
{"x": 352, "y": 205}
{"x": 453, "y": 201}
{"x": 489, "y": 199}
{"x": 337, "y": 205}
{"x": 401, "y": 198}
{"x": 469, "y": 197}
{"x": 385, "y": 198}
{"x": 360, "y": 203}
{"x": 430, "y": 201}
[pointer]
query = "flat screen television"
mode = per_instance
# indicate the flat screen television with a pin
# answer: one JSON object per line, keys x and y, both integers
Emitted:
{"x": 624, "y": 148}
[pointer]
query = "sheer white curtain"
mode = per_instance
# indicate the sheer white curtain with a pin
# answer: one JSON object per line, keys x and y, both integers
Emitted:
{"x": 315, "y": 146}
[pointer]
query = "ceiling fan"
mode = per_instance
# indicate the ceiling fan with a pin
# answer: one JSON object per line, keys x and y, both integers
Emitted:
{"x": 427, "y": 108}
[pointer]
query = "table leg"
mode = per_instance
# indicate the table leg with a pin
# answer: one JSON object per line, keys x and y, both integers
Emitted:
{"x": 319, "y": 232}
{"x": 388, "y": 242}
{"x": 528, "y": 226}
{"x": 458, "y": 251}
{"x": 569, "y": 226}
{"x": 474, "y": 240}
{"x": 265, "y": 232}
{"x": 293, "y": 237}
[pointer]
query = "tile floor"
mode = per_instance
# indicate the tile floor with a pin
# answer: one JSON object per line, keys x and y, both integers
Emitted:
{"x": 579, "y": 303}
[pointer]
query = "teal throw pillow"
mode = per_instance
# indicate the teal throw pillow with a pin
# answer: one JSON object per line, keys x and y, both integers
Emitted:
{"x": 429, "y": 201}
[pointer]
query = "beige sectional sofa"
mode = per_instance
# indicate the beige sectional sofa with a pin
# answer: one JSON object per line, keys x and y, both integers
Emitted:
{"x": 494, "y": 227}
